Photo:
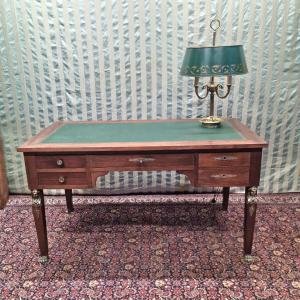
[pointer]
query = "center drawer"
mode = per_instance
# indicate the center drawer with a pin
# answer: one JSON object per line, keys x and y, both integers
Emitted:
{"x": 145, "y": 162}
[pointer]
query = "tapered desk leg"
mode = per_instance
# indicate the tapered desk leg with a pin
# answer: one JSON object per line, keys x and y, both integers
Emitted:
{"x": 225, "y": 198}
{"x": 249, "y": 220}
{"x": 38, "y": 210}
{"x": 69, "y": 200}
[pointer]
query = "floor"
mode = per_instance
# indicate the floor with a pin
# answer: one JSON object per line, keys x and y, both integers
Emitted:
{"x": 151, "y": 247}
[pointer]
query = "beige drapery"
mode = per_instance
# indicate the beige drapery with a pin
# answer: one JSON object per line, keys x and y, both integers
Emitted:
{"x": 3, "y": 179}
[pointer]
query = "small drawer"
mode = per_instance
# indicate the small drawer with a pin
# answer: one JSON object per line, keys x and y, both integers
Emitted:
{"x": 60, "y": 161}
{"x": 227, "y": 176}
{"x": 143, "y": 162}
{"x": 62, "y": 180}
{"x": 224, "y": 159}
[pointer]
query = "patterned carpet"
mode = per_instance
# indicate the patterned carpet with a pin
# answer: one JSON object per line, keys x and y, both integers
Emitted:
{"x": 179, "y": 247}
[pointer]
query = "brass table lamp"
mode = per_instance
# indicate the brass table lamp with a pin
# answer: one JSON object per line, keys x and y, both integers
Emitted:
{"x": 211, "y": 62}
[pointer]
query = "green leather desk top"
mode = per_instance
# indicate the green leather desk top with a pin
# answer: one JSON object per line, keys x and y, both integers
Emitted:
{"x": 189, "y": 130}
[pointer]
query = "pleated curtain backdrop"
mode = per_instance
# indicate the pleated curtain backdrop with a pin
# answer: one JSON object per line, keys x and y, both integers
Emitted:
{"x": 99, "y": 60}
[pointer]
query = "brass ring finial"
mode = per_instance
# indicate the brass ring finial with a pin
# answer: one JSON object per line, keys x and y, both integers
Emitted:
{"x": 215, "y": 24}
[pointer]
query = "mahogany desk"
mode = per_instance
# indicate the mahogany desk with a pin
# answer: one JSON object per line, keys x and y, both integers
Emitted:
{"x": 72, "y": 155}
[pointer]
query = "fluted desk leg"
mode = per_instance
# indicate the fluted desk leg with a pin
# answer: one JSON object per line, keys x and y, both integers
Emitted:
{"x": 38, "y": 210}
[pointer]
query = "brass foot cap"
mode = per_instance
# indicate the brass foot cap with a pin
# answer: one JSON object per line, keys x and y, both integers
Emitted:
{"x": 43, "y": 259}
{"x": 248, "y": 258}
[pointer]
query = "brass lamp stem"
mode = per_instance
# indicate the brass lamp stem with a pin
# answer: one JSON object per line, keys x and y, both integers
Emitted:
{"x": 212, "y": 104}
{"x": 212, "y": 97}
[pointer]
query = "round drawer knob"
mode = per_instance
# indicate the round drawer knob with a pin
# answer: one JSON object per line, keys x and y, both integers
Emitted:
{"x": 60, "y": 162}
{"x": 61, "y": 179}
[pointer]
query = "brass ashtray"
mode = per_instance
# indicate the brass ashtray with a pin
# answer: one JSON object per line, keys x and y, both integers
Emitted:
{"x": 210, "y": 122}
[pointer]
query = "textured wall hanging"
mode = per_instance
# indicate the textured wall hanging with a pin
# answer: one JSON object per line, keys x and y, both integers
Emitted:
{"x": 121, "y": 60}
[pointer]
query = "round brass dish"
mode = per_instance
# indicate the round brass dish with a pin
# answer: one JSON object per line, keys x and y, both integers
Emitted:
{"x": 211, "y": 122}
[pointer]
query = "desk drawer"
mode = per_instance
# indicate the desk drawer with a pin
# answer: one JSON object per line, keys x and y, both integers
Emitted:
{"x": 142, "y": 162}
{"x": 226, "y": 176}
{"x": 60, "y": 161}
{"x": 62, "y": 180}
{"x": 223, "y": 159}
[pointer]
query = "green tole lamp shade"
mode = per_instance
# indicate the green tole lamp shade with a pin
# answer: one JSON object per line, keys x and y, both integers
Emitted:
{"x": 214, "y": 61}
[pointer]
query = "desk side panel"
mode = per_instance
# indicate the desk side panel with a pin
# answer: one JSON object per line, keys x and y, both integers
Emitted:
{"x": 255, "y": 166}
{"x": 30, "y": 164}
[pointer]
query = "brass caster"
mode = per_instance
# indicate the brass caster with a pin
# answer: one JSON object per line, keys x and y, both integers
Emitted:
{"x": 248, "y": 258}
{"x": 43, "y": 259}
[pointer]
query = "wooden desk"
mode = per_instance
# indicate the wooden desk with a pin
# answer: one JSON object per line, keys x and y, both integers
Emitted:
{"x": 72, "y": 155}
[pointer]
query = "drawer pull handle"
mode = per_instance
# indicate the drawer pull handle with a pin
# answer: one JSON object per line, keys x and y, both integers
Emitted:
{"x": 61, "y": 179}
{"x": 60, "y": 163}
{"x": 223, "y": 176}
{"x": 226, "y": 158}
{"x": 141, "y": 160}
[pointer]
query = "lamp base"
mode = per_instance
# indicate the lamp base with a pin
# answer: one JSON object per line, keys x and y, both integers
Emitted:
{"x": 210, "y": 122}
